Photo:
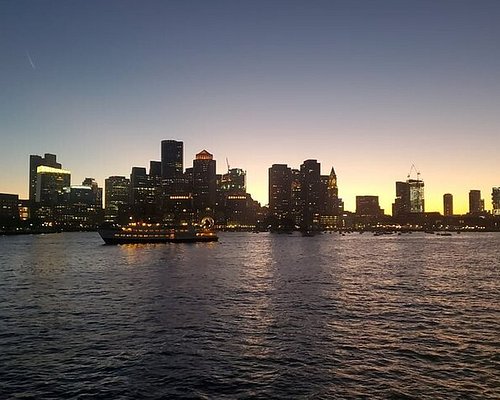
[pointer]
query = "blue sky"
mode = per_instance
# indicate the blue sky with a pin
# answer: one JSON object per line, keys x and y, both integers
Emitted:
{"x": 370, "y": 87}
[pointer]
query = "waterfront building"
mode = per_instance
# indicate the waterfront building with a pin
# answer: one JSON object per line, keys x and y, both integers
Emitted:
{"x": 172, "y": 166}
{"x": 333, "y": 203}
{"x": 96, "y": 190}
{"x": 50, "y": 183}
{"x": 368, "y": 206}
{"x": 204, "y": 183}
{"x": 117, "y": 200}
{"x": 448, "y": 205}
{"x": 48, "y": 160}
{"x": 495, "y": 200}
{"x": 9, "y": 210}
{"x": 311, "y": 193}
{"x": 280, "y": 193}
{"x": 79, "y": 207}
{"x": 297, "y": 205}
{"x": 143, "y": 196}
{"x": 476, "y": 204}
{"x": 409, "y": 198}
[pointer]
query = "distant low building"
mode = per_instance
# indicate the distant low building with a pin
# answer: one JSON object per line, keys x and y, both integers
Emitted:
{"x": 9, "y": 210}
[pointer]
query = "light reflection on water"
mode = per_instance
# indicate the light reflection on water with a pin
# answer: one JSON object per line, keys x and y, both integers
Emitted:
{"x": 255, "y": 315}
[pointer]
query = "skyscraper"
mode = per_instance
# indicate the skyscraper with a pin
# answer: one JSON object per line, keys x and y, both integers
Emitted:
{"x": 310, "y": 174}
{"x": 117, "y": 200}
{"x": 49, "y": 160}
{"x": 409, "y": 198}
{"x": 448, "y": 205}
{"x": 50, "y": 183}
{"x": 204, "y": 183}
{"x": 172, "y": 156}
{"x": 280, "y": 191}
{"x": 476, "y": 204}
{"x": 142, "y": 196}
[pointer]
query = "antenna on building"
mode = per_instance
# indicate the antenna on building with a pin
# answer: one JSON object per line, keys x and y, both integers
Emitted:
{"x": 227, "y": 163}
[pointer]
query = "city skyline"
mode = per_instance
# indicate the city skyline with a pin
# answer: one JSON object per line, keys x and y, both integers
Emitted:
{"x": 367, "y": 88}
{"x": 155, "y": 167}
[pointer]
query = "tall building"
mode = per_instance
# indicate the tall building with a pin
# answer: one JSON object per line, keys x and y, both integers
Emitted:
{"x": 117, "y": 200}
{"x": 142, "y": 196}
{"x": 495, "y": 200}
{"x": 476, "y": 204}
{"x": 409, "y": 198}
{"x": 172, "y": 164}
{"x": 48, "y": 160}
{"x": 448, "y": 205}
{"x": 333, "y": 203}
{"x": 50, "y": 183}
{"x": 96, "y": 190}
{"x": 368, "y": 206}
{"x": 280, "y": 191}
{"x": 204, "y": 183}
{"x": 311, "y": 193}
{"x": 297, "y": 204}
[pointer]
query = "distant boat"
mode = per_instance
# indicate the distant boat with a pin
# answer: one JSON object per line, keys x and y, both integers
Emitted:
{"x": 156, "y": 233}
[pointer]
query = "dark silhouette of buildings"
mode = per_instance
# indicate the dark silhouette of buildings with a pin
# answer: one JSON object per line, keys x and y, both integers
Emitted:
{"x": 303, "y": 198}
{"x": 448, "y": 205}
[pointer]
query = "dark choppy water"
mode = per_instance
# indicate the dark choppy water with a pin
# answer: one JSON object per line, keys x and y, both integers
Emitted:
{"x": 253, "y": 316}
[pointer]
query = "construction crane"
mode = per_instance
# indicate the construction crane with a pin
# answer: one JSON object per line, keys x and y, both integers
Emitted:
{"x": 227, "y": 163}
{"x": 413, "y": 168}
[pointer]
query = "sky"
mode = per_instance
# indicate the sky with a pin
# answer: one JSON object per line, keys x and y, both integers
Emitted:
{"x": 368, "y": 87}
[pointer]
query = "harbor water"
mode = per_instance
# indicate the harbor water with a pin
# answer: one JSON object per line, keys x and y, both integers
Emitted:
{"x": 412, "y": 316}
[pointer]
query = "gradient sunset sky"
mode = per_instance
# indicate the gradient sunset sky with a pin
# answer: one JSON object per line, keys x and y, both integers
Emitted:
{"x": 369, "y": 87}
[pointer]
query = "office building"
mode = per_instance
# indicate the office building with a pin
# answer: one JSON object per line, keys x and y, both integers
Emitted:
{"x": 311, "y": 193}
{"x": 448, "y": 205}
{"x": 96, "y": 191}
{"x": 368, "y": 206}
{"x": 117, "y": 200}
{"x": 204, "y": 183}
{"x": 409, "y": 198}
{"x": 280, "y": 191}
{"x": 9, "y": 210}
{"x": 172, "y": 166}
{"x": 234, "y": 181}
{"x": 48, "y": 160}
{"x": 495, "y": 200}
{"x": 143, "y": 197}
{"x": 476, "y": 204}
{"x": 50, "y": 183}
